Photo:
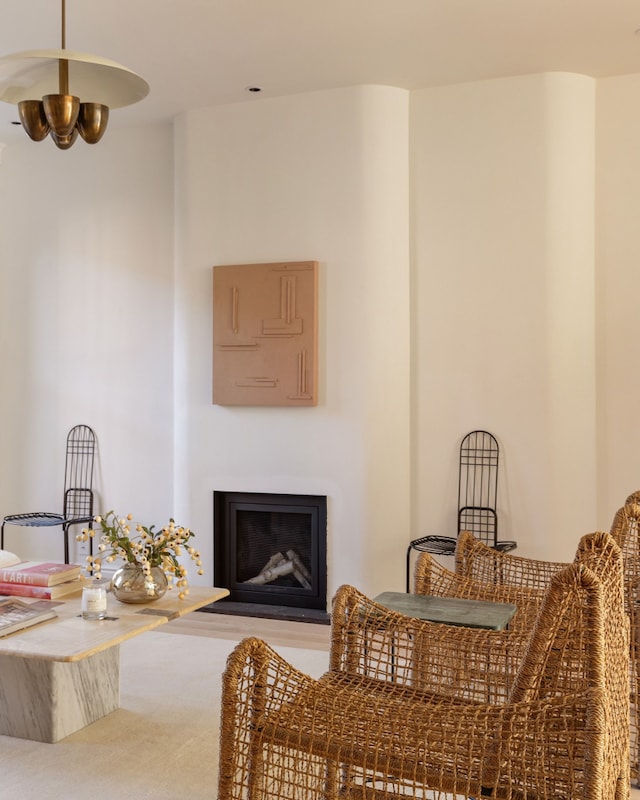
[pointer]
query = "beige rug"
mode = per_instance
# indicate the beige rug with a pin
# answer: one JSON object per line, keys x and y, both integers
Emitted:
{"x": 161, "y": 744}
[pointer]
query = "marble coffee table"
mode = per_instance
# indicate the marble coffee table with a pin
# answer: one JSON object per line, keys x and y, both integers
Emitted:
{"x": 61, "y": 675}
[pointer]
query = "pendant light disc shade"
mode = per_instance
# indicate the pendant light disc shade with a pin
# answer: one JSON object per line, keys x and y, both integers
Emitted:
{"x": 34, "y": 73}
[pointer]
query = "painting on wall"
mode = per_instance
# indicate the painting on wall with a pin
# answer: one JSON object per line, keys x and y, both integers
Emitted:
{"x": 265, "y": 321}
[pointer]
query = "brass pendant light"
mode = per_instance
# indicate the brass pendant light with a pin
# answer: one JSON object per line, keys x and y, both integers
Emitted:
{"x": 47, "y": 74}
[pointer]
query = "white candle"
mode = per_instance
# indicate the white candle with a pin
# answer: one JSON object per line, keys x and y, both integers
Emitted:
{"x": 94, "y": 602}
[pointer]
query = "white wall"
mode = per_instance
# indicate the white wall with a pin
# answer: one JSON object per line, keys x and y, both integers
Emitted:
{"x": 618, "y": 289}
{"x": 323, "y": 177}
{"x": 86, "y": 330}
{"x": 503, "y": 309}
{"x": 105, "y": 323}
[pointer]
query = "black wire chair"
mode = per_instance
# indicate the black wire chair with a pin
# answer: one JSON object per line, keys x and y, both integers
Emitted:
{"x": 77, "y": 502}
{"x": 477, "y": 499}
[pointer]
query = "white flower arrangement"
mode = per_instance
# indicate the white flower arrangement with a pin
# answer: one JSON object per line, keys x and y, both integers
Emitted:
{"x": 148, "y": 548}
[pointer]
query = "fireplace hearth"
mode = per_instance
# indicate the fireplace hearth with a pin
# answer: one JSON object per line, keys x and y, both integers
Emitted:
{"x": 270, "y": 552}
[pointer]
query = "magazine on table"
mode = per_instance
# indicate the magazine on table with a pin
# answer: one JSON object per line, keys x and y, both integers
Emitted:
{"x": 16, "y": 614}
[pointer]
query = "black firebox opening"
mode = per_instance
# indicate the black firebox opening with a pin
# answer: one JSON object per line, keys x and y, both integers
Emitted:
{"x": 271, "y": 548}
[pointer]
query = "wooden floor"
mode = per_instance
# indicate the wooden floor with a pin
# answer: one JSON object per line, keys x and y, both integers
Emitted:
{"x": 307, "y": 635}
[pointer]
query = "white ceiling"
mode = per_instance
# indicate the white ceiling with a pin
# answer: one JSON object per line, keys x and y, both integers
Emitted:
{"x": 207, "y": 52}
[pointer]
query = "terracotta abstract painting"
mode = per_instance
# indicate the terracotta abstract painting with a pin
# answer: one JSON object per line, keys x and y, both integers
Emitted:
{"x": 265, "y": 321}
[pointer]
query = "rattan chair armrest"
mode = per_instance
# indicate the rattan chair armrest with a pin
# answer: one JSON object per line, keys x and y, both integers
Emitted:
{"x": 632, "y": 604}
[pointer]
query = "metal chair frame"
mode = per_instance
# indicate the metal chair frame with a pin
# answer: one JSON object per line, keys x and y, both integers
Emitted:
{"x": 77, "y": 504}
{"x": 478, "y": 486}
{"x": 477, "y": 499}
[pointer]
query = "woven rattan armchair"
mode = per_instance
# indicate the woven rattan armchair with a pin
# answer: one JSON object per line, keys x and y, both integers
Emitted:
{"x": 493, "y": 676}
{"x": 478, "y": 563}
{"x": 379, "y": 725}
{"x": 625, "y": 529}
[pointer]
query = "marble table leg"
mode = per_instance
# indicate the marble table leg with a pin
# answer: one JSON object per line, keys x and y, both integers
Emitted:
{"x": 47, "y": 700}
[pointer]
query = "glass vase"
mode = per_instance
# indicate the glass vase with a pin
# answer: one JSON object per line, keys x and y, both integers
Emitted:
{"x": 130, "y": 584}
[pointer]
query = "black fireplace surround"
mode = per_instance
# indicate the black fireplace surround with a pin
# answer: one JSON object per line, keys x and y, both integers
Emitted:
{"x": 271, "y": 549}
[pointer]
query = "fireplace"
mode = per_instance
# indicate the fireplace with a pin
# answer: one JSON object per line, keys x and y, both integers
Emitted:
{"x": 270, "y": 552}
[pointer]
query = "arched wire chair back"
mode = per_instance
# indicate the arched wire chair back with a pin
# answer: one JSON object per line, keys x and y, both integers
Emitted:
{"x": 77, "y": 502}
{"x": 477, "y": 500}
{"x": 478, "y": 486}
{"x": 78, "y": 472}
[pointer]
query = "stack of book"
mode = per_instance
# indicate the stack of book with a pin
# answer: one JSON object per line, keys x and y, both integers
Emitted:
{"x": 44, "y": 580}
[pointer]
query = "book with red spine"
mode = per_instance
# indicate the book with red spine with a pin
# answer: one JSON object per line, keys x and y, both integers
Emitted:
{"x": 56, "y": 592}
{"x": 39, "y": 573}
